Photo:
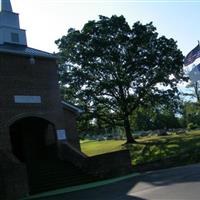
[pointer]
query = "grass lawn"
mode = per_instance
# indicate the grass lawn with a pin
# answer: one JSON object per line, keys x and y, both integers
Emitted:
{"x": 185, "y": 146}
{"x": 92, "y": 148}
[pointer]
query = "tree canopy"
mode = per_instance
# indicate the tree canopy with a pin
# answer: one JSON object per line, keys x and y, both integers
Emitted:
{"x": 121, "y": 67}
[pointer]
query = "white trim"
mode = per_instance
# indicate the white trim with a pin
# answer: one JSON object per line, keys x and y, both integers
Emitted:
{"x": 72, "y": 107}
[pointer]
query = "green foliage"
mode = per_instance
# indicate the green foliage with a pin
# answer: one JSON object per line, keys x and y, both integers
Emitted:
{"x": 141, "y": 119}
{"x": 191, "y": 113}
{"x": 191, "y": 110}
{"x": 157, "y": 117}
{"x": 166, "y": 119}
{"x": 191, "y": 126}
{"x": 120, "y": 67}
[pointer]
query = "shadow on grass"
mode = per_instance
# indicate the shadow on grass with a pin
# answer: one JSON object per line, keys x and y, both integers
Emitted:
{"x": 184, "y": 150}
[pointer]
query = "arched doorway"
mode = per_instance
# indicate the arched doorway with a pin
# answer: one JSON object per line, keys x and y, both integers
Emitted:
{"x": 33, "y": 140}
{"x": 31, "y": 137}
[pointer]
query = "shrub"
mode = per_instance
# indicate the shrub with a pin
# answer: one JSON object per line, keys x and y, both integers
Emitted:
{"x": 191, "y": 126}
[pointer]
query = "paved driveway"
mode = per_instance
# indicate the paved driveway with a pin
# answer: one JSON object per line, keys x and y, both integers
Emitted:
{"x": 181, "y": 183}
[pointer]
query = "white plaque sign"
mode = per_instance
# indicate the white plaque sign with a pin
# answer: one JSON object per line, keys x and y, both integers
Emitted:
{"x": 27, "y": 99}
{"x": 61, "y": 134}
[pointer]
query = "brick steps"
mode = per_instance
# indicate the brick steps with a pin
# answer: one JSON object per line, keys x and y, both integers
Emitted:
{"x": 45, "y": 175}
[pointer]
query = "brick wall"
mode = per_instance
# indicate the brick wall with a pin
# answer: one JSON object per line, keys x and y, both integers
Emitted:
{"x": 13, "y": 177}
{"x": 110, "y": 164}
{"x": 19, "y": 77}
{"x": 71, "y": 130}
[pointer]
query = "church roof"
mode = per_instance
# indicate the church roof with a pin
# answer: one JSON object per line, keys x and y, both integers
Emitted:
{"x": 24, "y": 50}
{"x": 72, "y": 107}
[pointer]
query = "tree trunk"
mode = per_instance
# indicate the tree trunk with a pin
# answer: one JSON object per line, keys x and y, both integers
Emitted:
{"x": 127, "y": 128}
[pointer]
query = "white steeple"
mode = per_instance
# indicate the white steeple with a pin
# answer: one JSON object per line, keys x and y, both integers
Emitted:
{"x": 10, "y": 31}
{"x": 5, "y": 5}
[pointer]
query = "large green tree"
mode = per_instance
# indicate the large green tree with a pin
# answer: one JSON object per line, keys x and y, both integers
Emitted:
{"x": 110, "y": 63}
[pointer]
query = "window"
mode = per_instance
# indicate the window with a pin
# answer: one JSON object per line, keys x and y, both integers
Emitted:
{"x": 14, "y": 37}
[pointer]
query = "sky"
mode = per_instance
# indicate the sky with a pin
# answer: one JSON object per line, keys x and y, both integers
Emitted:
{"x": 48, "y": 20}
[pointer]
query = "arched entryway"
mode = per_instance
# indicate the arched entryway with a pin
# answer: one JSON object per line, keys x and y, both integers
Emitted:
{"x": 33, "y": 143}
{"x": 31, "y": 137}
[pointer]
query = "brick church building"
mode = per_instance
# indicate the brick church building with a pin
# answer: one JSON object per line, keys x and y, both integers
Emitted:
{"x": 38, "y": 136}
{"x": 32, "y": 115}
